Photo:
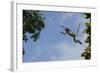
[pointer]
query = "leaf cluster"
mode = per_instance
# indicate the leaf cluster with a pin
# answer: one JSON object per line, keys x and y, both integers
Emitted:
{"x": 33, "y": 23}
{"x": 87, "y": 51}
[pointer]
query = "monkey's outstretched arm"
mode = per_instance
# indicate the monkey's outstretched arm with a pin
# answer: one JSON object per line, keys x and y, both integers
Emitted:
{"x": 63, "y": 26}
{"x": 63, "y": 33}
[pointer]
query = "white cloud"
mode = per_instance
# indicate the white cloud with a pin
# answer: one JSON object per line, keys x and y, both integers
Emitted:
{"x": 64, "y": 17}
{"x": 67, "y": 51}
{"x": 68, "y": 15}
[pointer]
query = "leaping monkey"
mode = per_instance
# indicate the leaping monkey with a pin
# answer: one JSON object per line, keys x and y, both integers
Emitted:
{"x": 72, "y": 34}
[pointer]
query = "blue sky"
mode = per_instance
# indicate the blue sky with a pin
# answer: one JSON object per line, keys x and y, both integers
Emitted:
{"x": 54, "y": 46}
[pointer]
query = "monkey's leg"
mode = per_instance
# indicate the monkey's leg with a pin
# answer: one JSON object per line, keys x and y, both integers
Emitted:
{"x": 79, "y": 42}
{"x": 74, "y": 39}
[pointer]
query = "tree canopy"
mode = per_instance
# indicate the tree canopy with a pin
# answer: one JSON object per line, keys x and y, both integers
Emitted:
{"x": 87, "y": 51}
{"x": 33, "y": 23}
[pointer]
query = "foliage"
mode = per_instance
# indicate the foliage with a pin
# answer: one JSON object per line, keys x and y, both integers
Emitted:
{"x": 33, "y": 23}
{"x": 87, "y": 15}
{"x": 87, "y": 51}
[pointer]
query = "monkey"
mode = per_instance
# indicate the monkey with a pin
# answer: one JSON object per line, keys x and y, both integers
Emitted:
{"x": 72, "y": 34}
